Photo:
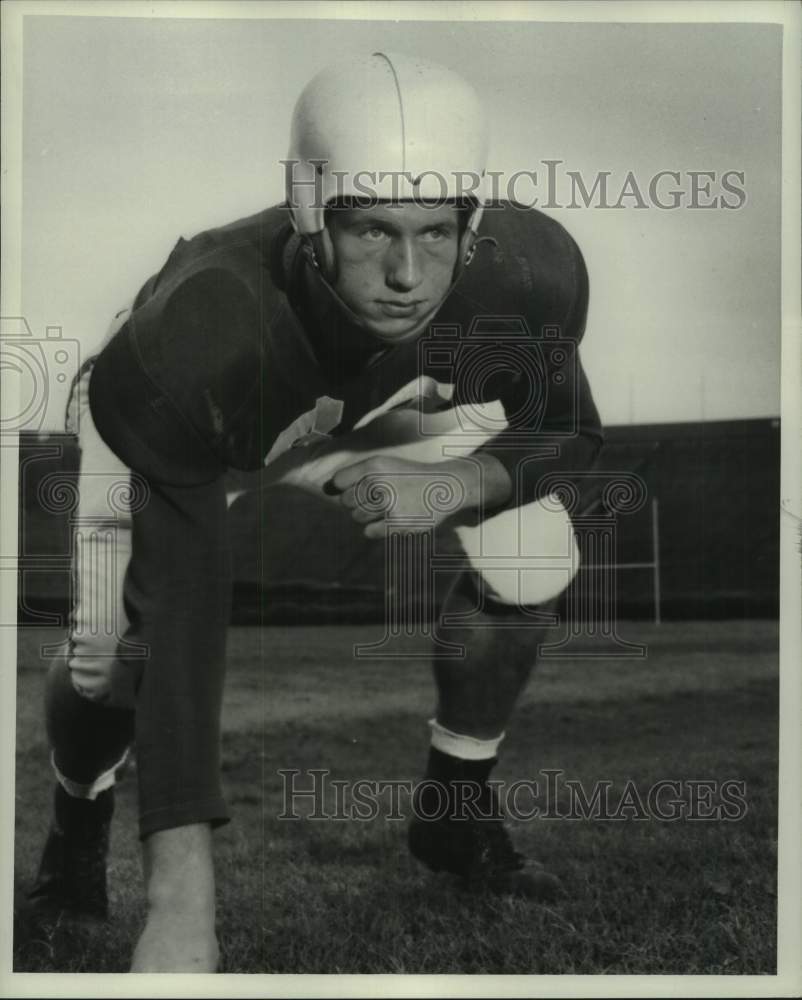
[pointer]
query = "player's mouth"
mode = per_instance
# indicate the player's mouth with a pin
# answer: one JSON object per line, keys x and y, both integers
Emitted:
{"x": 399, "y": 308}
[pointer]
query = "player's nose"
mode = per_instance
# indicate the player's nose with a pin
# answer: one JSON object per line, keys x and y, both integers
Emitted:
{"x": 403, "y": 266}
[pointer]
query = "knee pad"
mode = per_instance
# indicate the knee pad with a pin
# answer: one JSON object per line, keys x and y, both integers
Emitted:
{"x": 104, "y": 680}
{"x": 526, "y": 555}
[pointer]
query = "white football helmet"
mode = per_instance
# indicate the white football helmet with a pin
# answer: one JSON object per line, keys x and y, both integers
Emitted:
{"x": 394, "y": 125}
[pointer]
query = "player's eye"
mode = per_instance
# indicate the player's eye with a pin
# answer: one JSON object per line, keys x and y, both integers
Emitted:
{"x": 373, "y": 235}
{"x": 436, "y": 233}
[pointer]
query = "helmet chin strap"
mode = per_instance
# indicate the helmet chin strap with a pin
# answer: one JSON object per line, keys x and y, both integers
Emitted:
{"x": 319, "y": 251}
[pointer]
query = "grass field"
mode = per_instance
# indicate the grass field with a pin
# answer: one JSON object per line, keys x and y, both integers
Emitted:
{"x": 642, "y": 895}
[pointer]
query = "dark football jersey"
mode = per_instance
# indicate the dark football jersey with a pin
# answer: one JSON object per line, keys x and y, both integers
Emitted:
{"x": 235, "y": 350}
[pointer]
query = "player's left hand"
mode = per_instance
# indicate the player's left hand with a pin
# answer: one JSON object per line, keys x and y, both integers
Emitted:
{"x": 383, "y": 491}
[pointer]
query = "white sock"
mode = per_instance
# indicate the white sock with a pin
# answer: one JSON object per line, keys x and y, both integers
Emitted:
{"x": 91, "y": 791}
{"x": 463, "y": 747}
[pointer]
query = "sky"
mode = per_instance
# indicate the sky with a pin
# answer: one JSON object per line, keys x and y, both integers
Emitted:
{"x": 137, "y": 131}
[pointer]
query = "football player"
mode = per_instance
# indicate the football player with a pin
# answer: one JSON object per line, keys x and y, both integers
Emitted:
{"x": 418, "y": 336}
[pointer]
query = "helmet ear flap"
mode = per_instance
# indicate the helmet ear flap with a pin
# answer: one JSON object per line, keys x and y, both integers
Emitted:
{"x": 322, "y": 253}
{"x": 469, "y": 239}
{"x": 467, "y": 248}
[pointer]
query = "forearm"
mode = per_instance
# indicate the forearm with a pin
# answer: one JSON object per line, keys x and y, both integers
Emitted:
{"x": 531, "y": 470}
{"x": 484, "y": 479}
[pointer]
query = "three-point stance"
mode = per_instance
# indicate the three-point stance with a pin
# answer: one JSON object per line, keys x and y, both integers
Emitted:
{"x": 295, "y": 341}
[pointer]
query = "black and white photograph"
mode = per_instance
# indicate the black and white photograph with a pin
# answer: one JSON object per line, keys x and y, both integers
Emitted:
{"x": 400, "y": 513}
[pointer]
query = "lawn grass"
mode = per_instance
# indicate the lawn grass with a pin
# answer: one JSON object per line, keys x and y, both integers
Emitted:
{"x": 642, "y": 895}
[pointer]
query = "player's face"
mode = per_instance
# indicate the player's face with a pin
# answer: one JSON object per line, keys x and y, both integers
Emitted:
{"x": 395, "y": 263}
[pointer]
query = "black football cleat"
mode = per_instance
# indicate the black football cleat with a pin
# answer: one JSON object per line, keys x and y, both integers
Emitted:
{"x": 478, "y": 850}
{"x": 72, "y": 873}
